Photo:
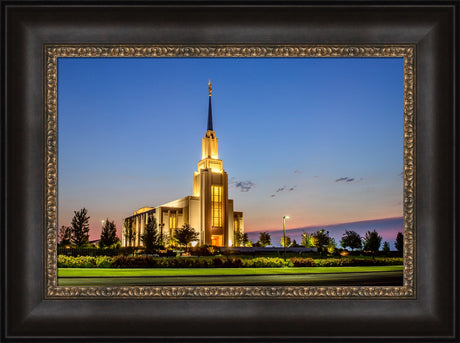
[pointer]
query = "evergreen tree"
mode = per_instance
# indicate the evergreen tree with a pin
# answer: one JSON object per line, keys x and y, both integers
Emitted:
{"x": 151, "y": 238}
{"x": 64, "y": 235}
{"x": 80, "y": 228}
{"x": 399, "y": 244}
{"x": 108, "y": 234}
{"x": 386, "y": 247}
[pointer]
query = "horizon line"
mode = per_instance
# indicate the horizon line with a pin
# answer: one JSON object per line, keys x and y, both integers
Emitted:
{"x": 314, "y": 226}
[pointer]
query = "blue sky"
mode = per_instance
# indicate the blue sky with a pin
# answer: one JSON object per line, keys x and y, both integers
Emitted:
{"x": 320, "y": 139}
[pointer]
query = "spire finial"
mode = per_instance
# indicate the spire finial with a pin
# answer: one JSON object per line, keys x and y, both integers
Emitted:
{"x": 210, "y": 108}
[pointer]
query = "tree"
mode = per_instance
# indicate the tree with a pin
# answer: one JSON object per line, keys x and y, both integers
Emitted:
{"x": 80, "y": 227}
{"x": 129, "y": 233}
{"x": 386, "y": 247}
{"x": 285, "y": 242}
{"x": 320, "y": 239}
{"x": 264, "y": 239}
{"x": 64, "y": 235}
{"x": 241, "y": 239}
{"x": 108, "y": 234}
{"x": 399, "y": 244}
{"x": 306, "y": 240}
{"x": 351, "y": 239}
{"x": 151, "y": 238}
{"x": 372, "y": 241}
{"x": 245, "y": 242}
{"x": 331, "y": 246}
{"x": 185, "y": 235}
{"x": 294, "y": 244}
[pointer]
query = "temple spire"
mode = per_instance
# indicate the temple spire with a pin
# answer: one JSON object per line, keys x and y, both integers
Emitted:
{"x": 210, "y": 108}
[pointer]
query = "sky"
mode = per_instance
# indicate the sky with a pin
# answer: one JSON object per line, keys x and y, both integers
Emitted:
{"x": 318, "y": 139}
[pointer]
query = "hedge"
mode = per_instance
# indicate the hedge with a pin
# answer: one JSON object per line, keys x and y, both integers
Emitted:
{"x": 344, "y": 262}
{"x": 84, "y": 261}
{"x": 122, "y": 261}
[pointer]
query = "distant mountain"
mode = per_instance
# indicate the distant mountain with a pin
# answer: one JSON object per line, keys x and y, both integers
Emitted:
{"x": 387, "y": 228}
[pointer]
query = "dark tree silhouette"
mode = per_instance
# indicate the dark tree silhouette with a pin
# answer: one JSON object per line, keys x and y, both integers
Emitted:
{"x": 320, "y": 239}
{"x": 351, "y": 239}
{"x": 80, "y": 227}
{"x": 108, "y": 234}
{"x": 151, "y": 238}
{"x": 264, "y": 239}
{"x": 64, "y": 235}
{"x": 399, "y": 244}
{"x": 386, "y": 247}
{"x": 372, "y": 241}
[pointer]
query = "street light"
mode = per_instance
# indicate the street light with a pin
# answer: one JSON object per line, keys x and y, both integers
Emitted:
{"x": 284, "y": 235}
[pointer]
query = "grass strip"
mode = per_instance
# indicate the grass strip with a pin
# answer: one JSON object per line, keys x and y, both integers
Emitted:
{"x": 113, "y": 272}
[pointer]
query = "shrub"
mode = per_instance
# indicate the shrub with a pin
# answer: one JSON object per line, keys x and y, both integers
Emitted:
{"x": 84, "y": 262}
{"x": 104, "y": 262}
{"x": 302, "y": 262}
{"x": 232, "y": 262}
{"x": 204, "y": 250}
{"x": 265, "y": 262}
{"x": 343, "y": 262}
{"x": 122, "y": 261}
{"x": 217, "y": 262}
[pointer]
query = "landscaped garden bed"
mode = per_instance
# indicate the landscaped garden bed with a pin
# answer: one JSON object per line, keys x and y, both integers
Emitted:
{"x": 217, "y": 262}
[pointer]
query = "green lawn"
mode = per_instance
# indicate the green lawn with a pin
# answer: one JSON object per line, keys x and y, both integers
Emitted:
{"x": 113, "y": 272}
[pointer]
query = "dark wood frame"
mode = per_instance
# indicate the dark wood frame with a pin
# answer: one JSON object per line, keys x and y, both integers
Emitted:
{"x": 27, "y": 315}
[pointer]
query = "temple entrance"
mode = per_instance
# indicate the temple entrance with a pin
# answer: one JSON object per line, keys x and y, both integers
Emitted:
{"x": 216, "y": 240}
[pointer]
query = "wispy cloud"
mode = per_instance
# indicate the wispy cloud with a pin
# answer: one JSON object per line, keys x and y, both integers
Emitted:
{"x": 243, "y": 186}
{"x": 347, "y": 179}
{"x": 282, "y": 189}
{"x": 297, "y": 171}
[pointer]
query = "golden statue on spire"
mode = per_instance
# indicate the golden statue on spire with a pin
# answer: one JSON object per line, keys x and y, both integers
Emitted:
{"x": 209, "y": 87}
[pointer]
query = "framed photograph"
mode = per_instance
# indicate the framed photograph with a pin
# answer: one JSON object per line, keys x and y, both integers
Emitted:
{"x": 317, "y": 125}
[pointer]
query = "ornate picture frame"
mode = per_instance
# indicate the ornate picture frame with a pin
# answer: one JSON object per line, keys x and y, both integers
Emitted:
{"x": 34, "y": 307}
{"x": 408, "y": 289}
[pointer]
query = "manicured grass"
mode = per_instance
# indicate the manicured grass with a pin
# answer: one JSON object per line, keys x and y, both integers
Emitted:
{"x": 113, "y": 272}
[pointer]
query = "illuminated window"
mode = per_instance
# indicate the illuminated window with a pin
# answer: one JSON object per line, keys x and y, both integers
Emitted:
{"x": 172, "y": 221}
{"x": 236, "y": 225}
{"x": 216, "y": 205}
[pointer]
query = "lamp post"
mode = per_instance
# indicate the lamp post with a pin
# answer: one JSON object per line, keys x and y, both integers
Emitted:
{"x": 284, "y": 235}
